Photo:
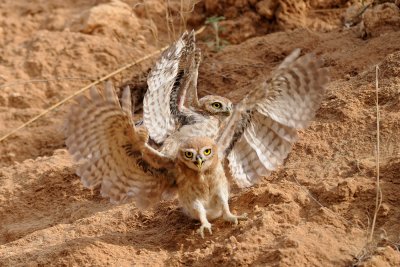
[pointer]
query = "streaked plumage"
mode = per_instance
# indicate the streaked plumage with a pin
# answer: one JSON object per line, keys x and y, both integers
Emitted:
{"x": 171, "y": 101}
{"x": 260, "y": 133}
{"x": 203, "y": 191}
{"x": 114, "y": 155}
{"x": 255, "y": 138}
{"x": 101, "y": 136}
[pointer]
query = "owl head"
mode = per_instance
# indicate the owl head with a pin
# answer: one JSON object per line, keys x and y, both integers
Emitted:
{"x": 199, "y": 154}
{"x": 216, "y": 105}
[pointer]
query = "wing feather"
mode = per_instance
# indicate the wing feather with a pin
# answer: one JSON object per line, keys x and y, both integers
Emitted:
{"x": 102, "y": 138}
{"x": 260, "y": 133}
{"x": 173, "y": 75}
{"x": 295, "y": 92}
{"x": 245, "y": 166}
{"x": 172, "y": 94}
{"x": 188, "y": 95}
{"x": 269, "y": 146}
{"x": 157, "y": 115}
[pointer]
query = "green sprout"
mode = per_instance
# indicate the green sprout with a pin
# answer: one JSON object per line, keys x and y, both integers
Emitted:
{"x": 214, "y": 22}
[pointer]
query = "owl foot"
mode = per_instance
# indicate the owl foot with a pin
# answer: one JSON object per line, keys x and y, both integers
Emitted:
{"x": 235, "y": 218}
{"x": 201, "y": 229}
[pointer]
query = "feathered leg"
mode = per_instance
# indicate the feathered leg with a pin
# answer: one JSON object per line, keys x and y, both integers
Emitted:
{"x": 205, "y": 224}
{"x": 227, "y": 215}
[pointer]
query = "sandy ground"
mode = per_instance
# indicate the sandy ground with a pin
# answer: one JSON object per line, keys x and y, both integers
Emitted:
{"x": 48, "y": 218}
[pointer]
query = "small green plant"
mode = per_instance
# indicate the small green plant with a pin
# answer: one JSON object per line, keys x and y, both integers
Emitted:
{"x": 218, "y": 43}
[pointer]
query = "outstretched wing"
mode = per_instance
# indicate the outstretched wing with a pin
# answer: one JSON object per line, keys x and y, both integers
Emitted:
{"x": 188, "y": 96}
{"x": 173, "y": 76}
{"x": 102, "y": 137}
{"x": 259, "y": 135}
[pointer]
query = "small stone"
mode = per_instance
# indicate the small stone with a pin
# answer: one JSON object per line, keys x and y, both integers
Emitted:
{"x": 233, "y": 239}
{"x": 267, "y": 8}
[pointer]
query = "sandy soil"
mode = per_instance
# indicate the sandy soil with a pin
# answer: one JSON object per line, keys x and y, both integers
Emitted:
{"x": 48, "y": 218}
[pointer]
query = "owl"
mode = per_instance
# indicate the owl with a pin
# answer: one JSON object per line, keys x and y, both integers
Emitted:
{"x": 115, "y": 155}
{"x": 171, "y": 101}
{"x": 203, "y": 188}
{"x": 265, "y": 122}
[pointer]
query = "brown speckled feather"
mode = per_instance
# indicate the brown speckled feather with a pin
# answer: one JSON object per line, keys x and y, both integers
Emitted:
{"x": 168, "y": 81}
{"x": 260, "y": 133}
{"x": 101, "y": 136}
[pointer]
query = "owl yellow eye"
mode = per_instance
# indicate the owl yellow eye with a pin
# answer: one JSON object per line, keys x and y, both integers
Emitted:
{"x": 216, "y": 105}
{"x": 189, "y": 154}
{"x": 207, "y": 152}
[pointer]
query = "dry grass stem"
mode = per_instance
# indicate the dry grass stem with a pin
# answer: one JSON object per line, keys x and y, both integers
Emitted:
{"x": 370, "y": 245}
{"x": 378, "y": 198}
{"x": 170, "y": 23}
{"x": 87, "y": 87}
{"x": 319, "y": 203}
{"x": 152, "y": 27}
{"x": 55, "y": 79}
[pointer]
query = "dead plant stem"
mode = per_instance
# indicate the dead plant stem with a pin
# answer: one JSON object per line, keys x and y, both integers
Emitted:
{"x": 87, "y": 87}
{"x": 378, "y": 198}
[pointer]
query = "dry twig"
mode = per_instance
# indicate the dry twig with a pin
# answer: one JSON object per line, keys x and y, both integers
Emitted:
{"x": 87, "y": 87}
{"x": 370, "y": 246}
{"x": 378, "y": 198}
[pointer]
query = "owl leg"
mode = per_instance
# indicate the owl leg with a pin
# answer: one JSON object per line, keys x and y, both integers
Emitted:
{"x": 227, "y": 215}
{"x": 202, "y": 214}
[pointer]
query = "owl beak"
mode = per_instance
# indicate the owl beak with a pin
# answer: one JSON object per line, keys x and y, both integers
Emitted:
{"x": 199, "y": 162}
{"x": 227, "y": 112}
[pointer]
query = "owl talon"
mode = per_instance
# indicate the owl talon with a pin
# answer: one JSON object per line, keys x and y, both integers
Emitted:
{"x": 243, "y": 217}
{"x": 235, "y": 218}
{"x": 201, "y": 229}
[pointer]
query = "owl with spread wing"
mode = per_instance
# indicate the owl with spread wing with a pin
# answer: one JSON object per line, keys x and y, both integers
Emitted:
{"x": 254, "y": 137}
{"x": 171, "y": 106}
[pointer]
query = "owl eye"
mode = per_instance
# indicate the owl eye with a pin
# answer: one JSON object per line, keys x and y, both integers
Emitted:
{"x": 207, "y": 152}
{"x": 189, "y": 154}
{"x": 217, "y": 105}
